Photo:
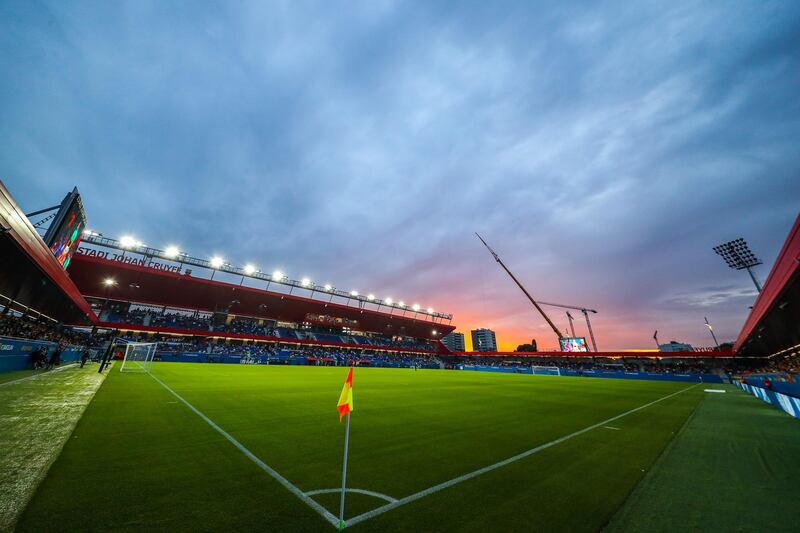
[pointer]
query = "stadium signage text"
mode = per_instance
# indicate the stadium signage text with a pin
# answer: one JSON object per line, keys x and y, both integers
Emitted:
{"x": 129, "y": 260}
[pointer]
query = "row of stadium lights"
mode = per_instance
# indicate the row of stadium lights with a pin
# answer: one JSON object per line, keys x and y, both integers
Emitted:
{"x": 172, "y": 252}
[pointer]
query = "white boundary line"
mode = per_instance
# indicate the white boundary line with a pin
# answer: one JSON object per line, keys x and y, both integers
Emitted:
{"x": 356, "y": 491}
{"x": 261, "y": 464}
{"x": 46, "y": 372}
{"x": 484, "y": 470}
{"x": 306, "y": 497}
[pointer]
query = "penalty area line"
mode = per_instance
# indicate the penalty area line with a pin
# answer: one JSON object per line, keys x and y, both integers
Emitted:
{"x": 250, "y": 455}
{"x": 436, "y": 488}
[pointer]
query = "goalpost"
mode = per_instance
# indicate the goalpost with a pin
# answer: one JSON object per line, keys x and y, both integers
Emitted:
{"x": 545, "y": 370}
{"x": 138, "y": 357}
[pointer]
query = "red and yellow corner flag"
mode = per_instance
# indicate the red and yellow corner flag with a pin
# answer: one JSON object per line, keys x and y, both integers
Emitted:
{"x": 345, "y": 404}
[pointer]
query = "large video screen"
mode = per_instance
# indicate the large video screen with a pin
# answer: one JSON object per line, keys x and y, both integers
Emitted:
{"x": 66, "y": 231}
{"x": 573, "y": 344}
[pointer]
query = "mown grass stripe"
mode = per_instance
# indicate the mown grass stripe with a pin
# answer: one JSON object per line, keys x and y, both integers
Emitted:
{"x": 500, "y": 464}
{"x": 250, "y": 455}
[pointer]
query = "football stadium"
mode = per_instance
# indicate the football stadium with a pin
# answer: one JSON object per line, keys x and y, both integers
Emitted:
{"x": 146, "y": 389}
{"x": 395, "y": 266}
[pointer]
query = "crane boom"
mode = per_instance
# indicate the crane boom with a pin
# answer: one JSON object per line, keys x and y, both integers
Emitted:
{"x": 567, "y": 306}
{"x": 536, "y": 305}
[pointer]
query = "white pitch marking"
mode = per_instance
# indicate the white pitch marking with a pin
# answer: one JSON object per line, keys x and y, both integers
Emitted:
{"x": 357, "y": 491}
{"x": 714, "y": 390}
{"x": 46, "y": 372}
{"x": 250, "y": 455}
{"x": 480, "y": 471}
{"x": 611, "y": 427}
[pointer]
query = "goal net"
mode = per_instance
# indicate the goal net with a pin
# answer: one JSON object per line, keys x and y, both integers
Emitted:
{"x": 138, "y": 357}
{"x": 545, "y": 370}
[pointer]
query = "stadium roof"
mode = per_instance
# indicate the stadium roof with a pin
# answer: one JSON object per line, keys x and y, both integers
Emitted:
{"x": 772, "y": 324}
{"x": 29, "y": 273}
{"x": 143, "y": 284}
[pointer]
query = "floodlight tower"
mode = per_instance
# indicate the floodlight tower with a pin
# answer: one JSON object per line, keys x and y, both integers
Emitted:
{"x": 711, "y": 330}
{"x": 738, "y": 255}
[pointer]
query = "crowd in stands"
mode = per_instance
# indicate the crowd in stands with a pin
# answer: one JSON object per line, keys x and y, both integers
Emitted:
{"x": 246, "y": 326}
{"x": 652, "y": 366}
{"x": 282, "y": 354}
{"x": 39, "y": 329}
{"x": 788, "y": 364}
{"x": 370, "y": 353}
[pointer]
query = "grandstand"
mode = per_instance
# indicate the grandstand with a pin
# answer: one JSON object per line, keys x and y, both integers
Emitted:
{"x": 229, "y": 424}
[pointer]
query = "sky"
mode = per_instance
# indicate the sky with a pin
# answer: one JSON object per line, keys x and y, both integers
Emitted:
{"x": 601, "y": 148}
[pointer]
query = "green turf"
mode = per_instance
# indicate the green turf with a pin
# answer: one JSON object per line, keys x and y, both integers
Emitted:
{"x": 140, "y": 460}
{"x": 36, "y": 417}
{"x": 734, "y": 467}
{"x": 5, "y": 377}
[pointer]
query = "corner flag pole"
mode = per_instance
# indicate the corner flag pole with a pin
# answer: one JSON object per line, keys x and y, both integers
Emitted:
{"x": 344, "y": 473}
{"x": 345, "y": 407}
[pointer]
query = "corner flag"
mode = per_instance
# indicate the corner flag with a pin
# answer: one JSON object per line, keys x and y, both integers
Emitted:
{"x": 345, "y": 405}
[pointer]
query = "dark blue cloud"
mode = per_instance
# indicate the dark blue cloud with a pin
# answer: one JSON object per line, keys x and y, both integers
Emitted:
{"x": 603, "y": 148}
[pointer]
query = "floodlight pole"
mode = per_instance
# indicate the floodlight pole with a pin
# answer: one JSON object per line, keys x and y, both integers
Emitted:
{"x": 344, "y": 473}
{"x": 711, "y": 330}
{"x": 755, "y": 281}
{"x": 536, "y": 305}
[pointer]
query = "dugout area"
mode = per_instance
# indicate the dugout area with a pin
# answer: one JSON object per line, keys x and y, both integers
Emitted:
{"x": 141, "y": 459}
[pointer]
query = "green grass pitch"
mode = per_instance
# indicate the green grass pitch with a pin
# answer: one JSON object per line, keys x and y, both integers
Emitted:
{"x": 140, "y": 459}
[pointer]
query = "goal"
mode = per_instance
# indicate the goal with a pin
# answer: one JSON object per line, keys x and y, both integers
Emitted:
{"x": 545, "y": 370}
{"x": 138, "y": 357}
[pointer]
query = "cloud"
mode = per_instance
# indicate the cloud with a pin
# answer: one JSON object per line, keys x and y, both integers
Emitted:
{"x": 712, "y": 297}
{"x": 602, "y": 149}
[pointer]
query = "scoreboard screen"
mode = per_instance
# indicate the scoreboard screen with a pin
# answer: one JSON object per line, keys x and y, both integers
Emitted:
{"x": 573, "y": 344}
{"x": 66, "y": 231}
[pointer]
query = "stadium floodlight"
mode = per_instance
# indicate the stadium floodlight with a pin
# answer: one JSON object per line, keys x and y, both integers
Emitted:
{"x": 216, "y": 262}
{"x": 401, "y": 303}
{"x": 126, "y": 241}
{"x": 430, "y": 310}
{"x": 737, "y": 255}
{"x": 711, "y": 330}
{"x": 171, "y": 252}
{"x": 277, "y": 275}
{"x": 434, "y": 332}
{"x": 109, "y": 282}
{"x": 354, "y": 293}
{"x": 305, "y": 282}
{"x": 415, "y": 307}
{"x": 90, "y": 233}
{"x": 249, "y": 269}
{"x": 389, "y": 301}
{"x": 370, "y": 297}
{"x": 328, "y": 287}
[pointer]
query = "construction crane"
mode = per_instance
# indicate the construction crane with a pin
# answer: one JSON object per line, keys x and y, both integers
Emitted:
{"x": 535, "y": 304}
{"x": 585, "y": 312}
{"x": 571, "y": 324}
